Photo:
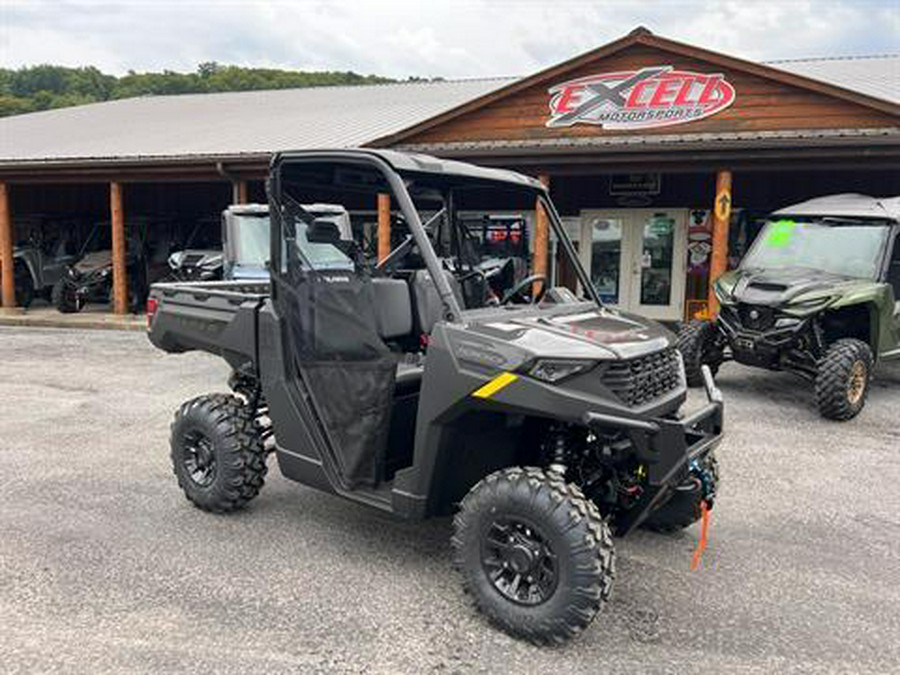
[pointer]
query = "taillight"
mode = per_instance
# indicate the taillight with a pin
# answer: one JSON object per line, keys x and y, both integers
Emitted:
{"x": 152, "y": 306}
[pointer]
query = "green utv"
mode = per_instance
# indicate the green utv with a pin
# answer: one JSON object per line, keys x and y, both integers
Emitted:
{"x": 818, "y": 294}
{"x": 428, "y": 384}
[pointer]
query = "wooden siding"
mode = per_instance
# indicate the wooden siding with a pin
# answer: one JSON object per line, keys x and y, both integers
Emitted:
{"x": 760, "y": 105}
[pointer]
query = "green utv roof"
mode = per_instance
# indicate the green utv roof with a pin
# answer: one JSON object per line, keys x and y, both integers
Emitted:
{"x": 846, "y": 205}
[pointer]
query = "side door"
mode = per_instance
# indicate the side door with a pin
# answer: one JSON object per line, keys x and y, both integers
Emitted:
{"x": 893, "y": 278}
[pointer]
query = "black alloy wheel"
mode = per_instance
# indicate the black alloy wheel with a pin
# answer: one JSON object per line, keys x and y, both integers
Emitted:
{"x": 199, "y": 458}
{"x": 519, "y": 560}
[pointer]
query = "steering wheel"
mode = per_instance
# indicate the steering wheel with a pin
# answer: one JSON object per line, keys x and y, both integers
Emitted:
{"x": 519, "y": 288}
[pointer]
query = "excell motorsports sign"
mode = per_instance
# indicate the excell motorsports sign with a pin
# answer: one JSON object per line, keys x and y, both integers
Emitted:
{"x": 656, "y": 96}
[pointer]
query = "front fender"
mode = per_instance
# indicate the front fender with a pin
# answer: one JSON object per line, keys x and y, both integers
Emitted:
{"x": 878, "y": 299}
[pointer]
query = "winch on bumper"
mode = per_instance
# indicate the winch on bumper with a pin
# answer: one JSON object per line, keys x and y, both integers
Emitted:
{"x": 674, "y": 451}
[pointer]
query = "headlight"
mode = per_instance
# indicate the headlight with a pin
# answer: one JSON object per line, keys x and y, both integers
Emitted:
{"x": 722, "y": 295}
{"x": 554, "y": 370}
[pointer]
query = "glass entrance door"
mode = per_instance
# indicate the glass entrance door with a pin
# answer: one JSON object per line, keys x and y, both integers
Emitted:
{"x": 636, "y": 259}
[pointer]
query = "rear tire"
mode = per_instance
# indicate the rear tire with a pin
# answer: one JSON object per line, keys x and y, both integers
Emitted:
{"x": 65, "y": 297}
{"x": 695, "y": 342}
{"x": 217, "y": 453}
{"x": 557, "y": 549}
{"x": 843, "y": 379}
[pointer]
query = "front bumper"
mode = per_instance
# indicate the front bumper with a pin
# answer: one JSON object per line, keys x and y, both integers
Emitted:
{"x": 759, "y": 348}
{"x": 667, "y": 447}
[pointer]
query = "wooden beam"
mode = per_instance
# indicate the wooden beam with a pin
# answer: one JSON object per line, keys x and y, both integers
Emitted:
{"x": 241, "y": 192}
{"x": 6, "y": 250}
{"x": 541, "y": 241}
{"x": 718, "y": 263}
{"x": 120, "y": 274}
{"x": 384, "y": 226}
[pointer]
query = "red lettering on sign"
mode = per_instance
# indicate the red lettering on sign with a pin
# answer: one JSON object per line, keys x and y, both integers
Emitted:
{"x": 682, "y": 98}
{"x": 568, "y": 99}
{"x": 652, "y": 96}
{"x": 664, "y": 88}
{"x": 710, "y": 93}
{"x": 634, "y": 98}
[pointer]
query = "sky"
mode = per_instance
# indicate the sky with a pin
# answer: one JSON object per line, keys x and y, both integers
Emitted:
{"x": 424, "y": 38}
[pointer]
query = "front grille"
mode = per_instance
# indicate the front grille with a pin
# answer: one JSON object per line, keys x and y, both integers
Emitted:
{"x": 644, "y": 379}
{"x": 756, "y": 318}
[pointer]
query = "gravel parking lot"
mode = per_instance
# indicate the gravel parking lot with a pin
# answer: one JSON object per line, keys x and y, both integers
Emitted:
{"x": 104, "y": 566}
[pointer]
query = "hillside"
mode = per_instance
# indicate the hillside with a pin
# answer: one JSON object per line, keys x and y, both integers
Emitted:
{"x": 33, "y": 88}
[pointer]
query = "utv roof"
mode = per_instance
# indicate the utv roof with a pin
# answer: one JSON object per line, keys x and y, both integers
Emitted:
{"x": 262, "y": 209}
{"x": 848, "y": 205}
{"x": 410, "y": 162}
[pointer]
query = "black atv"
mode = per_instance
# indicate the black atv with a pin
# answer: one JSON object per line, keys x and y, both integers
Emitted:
{"x": 90, "y": 278}
{"x": 818, "y": 295}
{"x": 545, "y": 422}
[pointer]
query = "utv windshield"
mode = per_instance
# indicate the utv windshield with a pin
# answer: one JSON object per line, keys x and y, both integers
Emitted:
{"x": 852, "y": 248}
{"x": 251, "y": 239}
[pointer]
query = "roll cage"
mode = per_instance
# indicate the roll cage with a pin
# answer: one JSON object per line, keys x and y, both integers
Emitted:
{"x": 404, "y": 177}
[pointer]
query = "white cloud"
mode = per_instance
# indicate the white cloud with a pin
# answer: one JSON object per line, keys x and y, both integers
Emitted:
{"x": 450, "y": 38}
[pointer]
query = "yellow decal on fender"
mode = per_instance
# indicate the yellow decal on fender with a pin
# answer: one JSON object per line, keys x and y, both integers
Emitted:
{"x": 495, "y": 385}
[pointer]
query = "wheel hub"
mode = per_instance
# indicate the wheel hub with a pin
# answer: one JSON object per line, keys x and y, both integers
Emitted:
{"x": 519, "y": 561}
{"x": 199, "y": 458}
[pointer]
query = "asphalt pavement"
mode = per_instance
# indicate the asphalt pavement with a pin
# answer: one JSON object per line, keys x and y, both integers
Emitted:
{"x": 105, "y": 567}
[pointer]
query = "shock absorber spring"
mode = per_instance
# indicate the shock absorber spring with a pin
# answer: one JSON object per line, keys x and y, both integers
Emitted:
{"x": 556, "y": 447}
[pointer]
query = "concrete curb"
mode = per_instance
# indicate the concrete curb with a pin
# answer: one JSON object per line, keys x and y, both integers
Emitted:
{"x": 77, "y": 321}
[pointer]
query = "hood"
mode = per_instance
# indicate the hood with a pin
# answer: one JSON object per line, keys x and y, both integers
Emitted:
{"x": 581, "y": 331}
{"x": 777, "y": 287}
{"x": 90, "y": 262}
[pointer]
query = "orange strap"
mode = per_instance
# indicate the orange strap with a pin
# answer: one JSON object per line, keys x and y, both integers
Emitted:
{"x": 704, "y": 531}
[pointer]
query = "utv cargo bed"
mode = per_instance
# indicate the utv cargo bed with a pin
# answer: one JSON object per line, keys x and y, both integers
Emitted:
{"x": 218, "y": 317}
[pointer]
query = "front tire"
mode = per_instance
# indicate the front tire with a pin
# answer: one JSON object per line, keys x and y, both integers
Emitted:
{"x": 65, "y": 297}
{"x": 24, "y": 286}
{"x": 217, "y": 453}
{"x": 695, "y": 342}
{"x": 843, "y": 379}
{"x": 534, "y": 553}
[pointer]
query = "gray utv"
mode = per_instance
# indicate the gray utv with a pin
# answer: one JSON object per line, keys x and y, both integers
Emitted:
{"x": 545, "y": 422}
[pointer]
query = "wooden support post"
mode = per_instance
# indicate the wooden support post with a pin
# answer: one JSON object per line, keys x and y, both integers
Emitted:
{"x": 241, "y": 192}
{"x": 384, "y": 226}
{"x": 721, "y": 218}
{"x": 6, "y": 250}
{"x": 541, "y": 241}
{"x": 120, "y": 274}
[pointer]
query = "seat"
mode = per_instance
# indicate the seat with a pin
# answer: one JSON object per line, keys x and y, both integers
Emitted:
{"x": 427, "y": 305}
{"x": 393, "y": 308}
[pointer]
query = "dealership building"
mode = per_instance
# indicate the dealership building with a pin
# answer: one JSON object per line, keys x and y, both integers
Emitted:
{"x": 662, "y": 157}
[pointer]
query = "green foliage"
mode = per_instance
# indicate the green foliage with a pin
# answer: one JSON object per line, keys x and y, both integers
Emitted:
{"x": 34, "y": 88}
